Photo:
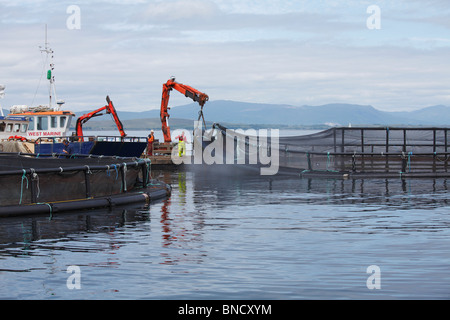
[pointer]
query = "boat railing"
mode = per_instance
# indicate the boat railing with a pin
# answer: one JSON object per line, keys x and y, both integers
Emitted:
{"x": 89, "y": 138}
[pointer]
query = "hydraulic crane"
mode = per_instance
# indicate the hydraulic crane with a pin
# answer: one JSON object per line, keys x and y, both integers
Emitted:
{"x": 188, "y": 91}
{"x": 109, "y": 108}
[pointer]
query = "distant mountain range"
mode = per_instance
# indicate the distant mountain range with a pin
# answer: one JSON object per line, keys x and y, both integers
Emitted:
{"x": 329, "y": 114}
{"x": 336, "y": 114}
{"x": 246, "y": 114}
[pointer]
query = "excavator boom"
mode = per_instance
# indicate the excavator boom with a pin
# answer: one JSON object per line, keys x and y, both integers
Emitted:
{"x": 188, "y": 91}
{"x": 109, "y": 108}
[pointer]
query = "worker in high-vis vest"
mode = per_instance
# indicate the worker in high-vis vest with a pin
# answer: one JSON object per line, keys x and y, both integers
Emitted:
{"x": 150, "y": 140}
{"x": 181, "y": 144}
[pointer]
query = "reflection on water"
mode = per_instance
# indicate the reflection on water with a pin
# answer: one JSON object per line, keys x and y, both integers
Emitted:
{"x": 239, "y": 237}
{"x": 21, "y": 236}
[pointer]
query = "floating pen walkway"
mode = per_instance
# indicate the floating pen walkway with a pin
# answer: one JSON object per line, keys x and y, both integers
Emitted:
{"x": 53, "y": 183}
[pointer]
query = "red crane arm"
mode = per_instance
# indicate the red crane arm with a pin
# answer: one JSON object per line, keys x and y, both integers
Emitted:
{"x": 109, "y": 109}
{"x": 188, "y": 91}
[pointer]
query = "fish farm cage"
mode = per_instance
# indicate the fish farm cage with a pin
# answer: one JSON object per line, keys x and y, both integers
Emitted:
{"x": 355, "y": 151}
{"x": 46, "y": 183}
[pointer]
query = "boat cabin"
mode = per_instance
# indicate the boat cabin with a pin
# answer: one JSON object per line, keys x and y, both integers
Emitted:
{"x": 11, "y": 126}
{"x": 45, "y": 122}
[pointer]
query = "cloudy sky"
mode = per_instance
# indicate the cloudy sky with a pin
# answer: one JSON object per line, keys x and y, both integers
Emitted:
{"x": 299, "y": 52}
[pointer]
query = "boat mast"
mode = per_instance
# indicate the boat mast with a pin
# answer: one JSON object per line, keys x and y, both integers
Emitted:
{"x": 2, "y": 94}
{"x": 50, "y": 76}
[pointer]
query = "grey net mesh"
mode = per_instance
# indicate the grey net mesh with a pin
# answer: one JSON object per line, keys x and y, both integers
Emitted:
{"x": 353, "y": 150}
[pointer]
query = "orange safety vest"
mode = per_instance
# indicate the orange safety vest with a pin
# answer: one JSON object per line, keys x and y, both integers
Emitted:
{"x": 181, "y": 137}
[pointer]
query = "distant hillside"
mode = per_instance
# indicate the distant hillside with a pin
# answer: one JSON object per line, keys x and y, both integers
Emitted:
{"x": 136, "y": 124}
{"x": 262, "y": 115}
{"x": 337, "y": 114}
{"x": 244, "y": 113}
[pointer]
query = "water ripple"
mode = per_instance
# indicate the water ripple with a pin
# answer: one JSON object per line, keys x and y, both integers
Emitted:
{"x": 240, "y": 238}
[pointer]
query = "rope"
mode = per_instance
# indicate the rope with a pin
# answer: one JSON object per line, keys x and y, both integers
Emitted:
{"x": 309, "y": 161}
{"x": 201, "y": 116}
{"x": 42, "y": 75}
{"x": 124, "y": 180}
{"x": 51, "y": 210}
{"x": 117, "y": 171}
{"x": 409, "y": 161}
{"x": 148, "y": 168}
{"x": 21, "y": 185}
{"x": 442, "y": 160}
{"x": 35, "y": 176}
{"x": 328, "y": 159}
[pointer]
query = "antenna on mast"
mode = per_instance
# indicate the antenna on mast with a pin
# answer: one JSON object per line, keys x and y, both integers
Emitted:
{"x": 46, "y": 43}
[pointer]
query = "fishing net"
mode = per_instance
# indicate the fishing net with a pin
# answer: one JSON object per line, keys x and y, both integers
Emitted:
{"x": 355, "y": 149}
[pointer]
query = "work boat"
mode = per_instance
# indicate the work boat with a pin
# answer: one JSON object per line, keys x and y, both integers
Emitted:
{"x": 26, "y": 125}
{"x": 44, "y": 121}
{"x": 42, "y": 129}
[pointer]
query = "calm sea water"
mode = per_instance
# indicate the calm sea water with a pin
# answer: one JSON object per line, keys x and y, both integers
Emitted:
{"x": 241, "y": 237}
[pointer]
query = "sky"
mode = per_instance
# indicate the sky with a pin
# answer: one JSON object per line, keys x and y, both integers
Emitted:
{"x": 392, "y": 55}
